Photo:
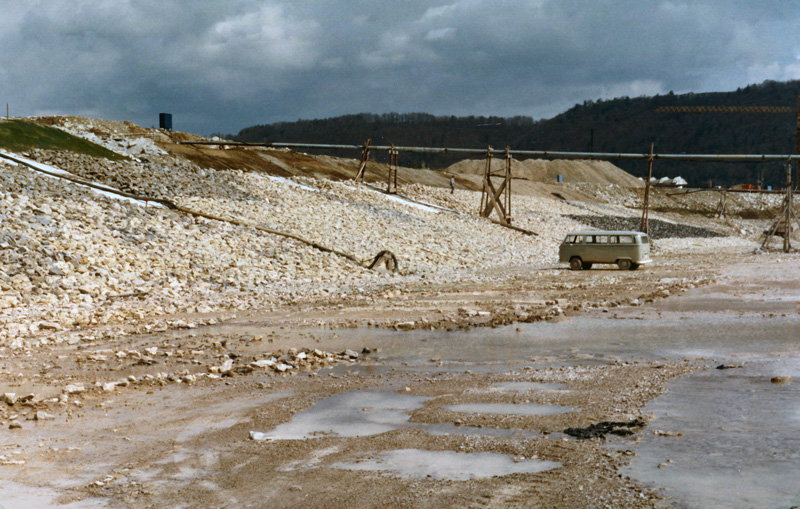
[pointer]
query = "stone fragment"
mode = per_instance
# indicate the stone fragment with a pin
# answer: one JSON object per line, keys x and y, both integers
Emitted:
{"x": 48, "y": 326}
{"x": 41, "y": 415}
{"x": 74, "y": 389}
{"x": 30, "y": 398}
{"x": 281, "y": 367}
{"x": 226, "y": 367}
{"x": 351, "y": 354}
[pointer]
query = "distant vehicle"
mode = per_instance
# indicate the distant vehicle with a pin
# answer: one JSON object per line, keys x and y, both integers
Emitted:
{"x": 627, "y": 249}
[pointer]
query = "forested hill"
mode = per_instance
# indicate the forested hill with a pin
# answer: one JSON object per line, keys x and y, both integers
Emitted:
{"x": 617, "y": 125}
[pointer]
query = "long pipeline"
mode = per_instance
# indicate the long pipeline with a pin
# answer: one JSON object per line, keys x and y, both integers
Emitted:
{"x": 546, "y": 154}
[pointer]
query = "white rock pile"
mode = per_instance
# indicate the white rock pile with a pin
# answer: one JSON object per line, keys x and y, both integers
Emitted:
{"x": 72, "y": 260}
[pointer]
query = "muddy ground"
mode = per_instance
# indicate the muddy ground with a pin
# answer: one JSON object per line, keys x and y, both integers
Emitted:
{"x": 169, "y": 419}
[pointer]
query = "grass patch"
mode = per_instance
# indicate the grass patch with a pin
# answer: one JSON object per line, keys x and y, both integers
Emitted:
{"x": 19, "y": 136}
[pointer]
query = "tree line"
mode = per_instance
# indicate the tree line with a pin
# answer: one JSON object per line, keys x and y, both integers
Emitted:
{"x": 622, "y": 124}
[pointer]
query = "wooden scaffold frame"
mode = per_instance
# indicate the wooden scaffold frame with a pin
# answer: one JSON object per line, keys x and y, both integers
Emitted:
{"x": 497, "y": 198}
{"x": 786, "y": 219}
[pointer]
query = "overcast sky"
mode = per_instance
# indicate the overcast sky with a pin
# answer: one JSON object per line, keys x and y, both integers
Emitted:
{"x": 224, "y": 65}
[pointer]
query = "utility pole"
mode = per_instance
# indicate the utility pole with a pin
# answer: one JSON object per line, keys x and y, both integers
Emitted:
{"x": 644, "y": 226}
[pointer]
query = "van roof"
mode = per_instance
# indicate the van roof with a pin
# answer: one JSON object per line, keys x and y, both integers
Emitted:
{"x": 606, "y": 232}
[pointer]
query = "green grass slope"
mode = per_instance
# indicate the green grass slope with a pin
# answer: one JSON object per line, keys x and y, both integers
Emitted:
{"x": 18, "y": 136}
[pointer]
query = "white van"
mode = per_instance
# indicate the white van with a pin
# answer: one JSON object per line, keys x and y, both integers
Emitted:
{"x": 627, "y": 249}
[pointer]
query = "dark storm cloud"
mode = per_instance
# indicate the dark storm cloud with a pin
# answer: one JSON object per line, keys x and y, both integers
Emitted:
{"x": 223, "y": 65}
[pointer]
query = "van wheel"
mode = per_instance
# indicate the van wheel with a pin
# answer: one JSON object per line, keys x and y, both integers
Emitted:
{"x": 586, "y": 266}
{"x": 624, "y": 264}
{"x": 634, "y": 266}
{"x": 575, "y": 263}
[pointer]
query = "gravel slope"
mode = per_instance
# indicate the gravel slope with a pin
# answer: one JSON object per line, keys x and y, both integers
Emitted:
{"x": 73, "y": 259}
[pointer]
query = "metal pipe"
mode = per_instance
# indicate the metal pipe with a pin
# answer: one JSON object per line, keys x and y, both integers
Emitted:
{"x": 728, "y": 190}
{"x": 546, "y": 154}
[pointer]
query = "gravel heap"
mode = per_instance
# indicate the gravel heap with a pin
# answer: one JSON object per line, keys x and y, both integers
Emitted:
{"x": 540, "y": 170}
{"x": 77, "y": 263}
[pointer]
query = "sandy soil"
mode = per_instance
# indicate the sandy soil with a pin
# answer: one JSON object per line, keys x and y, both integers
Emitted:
{"x": 160, "y": 438}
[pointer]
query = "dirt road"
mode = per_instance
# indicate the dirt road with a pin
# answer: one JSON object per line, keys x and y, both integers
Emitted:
{"x": 431, "y": 395}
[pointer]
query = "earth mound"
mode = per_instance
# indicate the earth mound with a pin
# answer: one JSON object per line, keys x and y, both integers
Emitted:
{"x": 541, "y": 170}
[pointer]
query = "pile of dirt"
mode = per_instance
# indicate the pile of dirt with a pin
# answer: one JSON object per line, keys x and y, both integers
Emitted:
{"x": 541, "y": 170}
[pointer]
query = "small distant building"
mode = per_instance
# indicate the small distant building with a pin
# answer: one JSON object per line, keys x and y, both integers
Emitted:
{"x": 668, "y": 182}
{"x": 165, "y": 121}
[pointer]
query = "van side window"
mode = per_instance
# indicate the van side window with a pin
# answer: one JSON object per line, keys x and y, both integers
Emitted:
{"x": 601, "y": 239}
{"x": 614, "y": 239}
{"x": 626, "y": 239}
{"x": 645, "y": 240}
{"x": 570, "y": 239}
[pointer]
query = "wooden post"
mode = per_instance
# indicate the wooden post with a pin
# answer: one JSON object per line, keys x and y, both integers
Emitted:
{"x": 392, "y": 177}
{"x": 394, "y": 169}
{"x": 722, "y": 206}
{"x": 787, "y": 219}
{"x": 508, "y": 186}
{"x": 364, "y": 157}
{"x": 797, "y": 140}
{"x": 487, "y": 172}
{"x": 644, "y": 225}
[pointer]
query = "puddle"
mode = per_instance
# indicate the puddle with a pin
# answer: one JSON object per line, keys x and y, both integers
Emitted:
{"x": 527, "y": 386}
{"x": 509, "y": 408}
{"x": 740, "y": 443}
{"x": 452, "y": 429}
{"x": 447, "y": 465}
{"x": 14, "y": 495}
{"x": 364, "y": 413}
{"x": 350, "y": 414}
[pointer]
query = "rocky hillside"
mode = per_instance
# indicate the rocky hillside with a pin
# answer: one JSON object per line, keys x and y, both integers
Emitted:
{"x": 170, "y": 236}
